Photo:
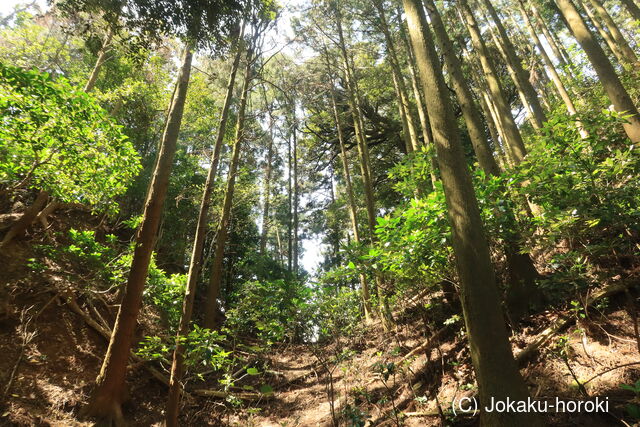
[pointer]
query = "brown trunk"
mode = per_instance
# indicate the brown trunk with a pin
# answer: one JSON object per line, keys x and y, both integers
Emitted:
{"x": 633, "y": 8}
{"x": 353, "y": 213}
{"x": 27, "y": 218}
{"x": 102, "y": 56}
{"x": 559, "y": 52}
{"x": 496, "y": 371}
{"x": 110, "y": 384}
{"x": 521, "y": 79}
{"x": 363, "y": 152}
{"x": 408, "y": 124}
{"x": 550, "y": 68}
{"x": 523, "y": 272}
{"x": 606, "y": 73}
{"x": 195, "y": 266}
{"x": 611, "y": 44}
{"x": 514, "y": 140}
{"x": 264, "y": 234}
{"x": 467, "y": 104}
{"x": 296, "y": 189}
{"x": 618, "y": 38}
{"x": 423, "y": 114}
{"x": 212, "y": 312}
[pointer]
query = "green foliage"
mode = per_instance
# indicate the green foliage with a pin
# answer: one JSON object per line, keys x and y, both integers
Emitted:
{"x": 271, "y": 310}
{"x": 588, "y": 189}
{"x": 57, "y": 138}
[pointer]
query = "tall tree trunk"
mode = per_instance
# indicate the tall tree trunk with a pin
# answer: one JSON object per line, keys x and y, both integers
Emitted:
{"x": 423, "y": 114}
{"x": 363, "y": 152}
{"x": 212, "y": 312}
{"x": 633, "y": 8}
{"x": 550, "y": 68}
{"x": 558, "y": 50}
{"x": 611, "y": 44}
{"x": 514, "y": 140}
{"x": 521, "y": 76}
{"x": 408, "y": 124}
{"x": 463, "y": 92}
{"x": 512, "y": 73}
{"x": 102, "y": 56}
{"x": 353, "y": 210}
{"x": 195, "y": 266}
{"x": 619, "y": 39}
{"x": 521, "y": 269}
{"x": 496, "y": 371}
{"x": 267, "y": 192}
{"x": 296, "y": 195}
{"x": 110, "y": 384}
{"x": 606, "y": 73}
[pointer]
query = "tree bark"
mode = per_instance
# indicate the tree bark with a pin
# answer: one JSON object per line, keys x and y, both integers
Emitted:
{"x": 408, "y": 124}
{"x": 608, "y": 39}
{"x": 633, "y": 8}
{"x": 606, "y": 73}
{"x": 520, "y": 74}
{"x": 195, "y": 266}
{"x": 551, "y": 69}
{"x": 212, "y": 312}
{"x": 618, "y": 38}
{"x": 469, "y": 109}
{"x": 496, "y": 371}
{"x": 267, "y": 192}
{"x": 514, "y": 140}
{"x": 110, "y": 385}
{"x": 353, "y": 211}
{"x": 558, "y": 50}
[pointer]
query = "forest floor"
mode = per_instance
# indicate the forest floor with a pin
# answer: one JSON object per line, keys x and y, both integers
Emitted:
{"x": 49, "y": 357}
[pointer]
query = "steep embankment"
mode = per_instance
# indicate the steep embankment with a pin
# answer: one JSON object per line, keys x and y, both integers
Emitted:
{"x": 53, "y": 336}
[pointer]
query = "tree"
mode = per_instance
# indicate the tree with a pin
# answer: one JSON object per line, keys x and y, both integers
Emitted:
{"x": 496, "y": 370}
{"x": 212, "y": 313}
{"x": 57, "y": 140}
{"x": 109, "y": 391}
{"x": 195, "y": 265}
{"x": 606, "y": 73}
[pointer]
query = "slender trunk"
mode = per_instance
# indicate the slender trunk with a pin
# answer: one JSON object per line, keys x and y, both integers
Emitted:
{"x": 353, "y": 212}
{"x": 618, "y": 38}
{"x": 463, "y": 92}
{"x": 296, "y": 190}
{"x": 551, "y": 69}
{"x": 290, "y": 207}
{"x": 110, "y": 384}
{"x": 522, "y": 271}
{"x": 495, "y": 367}
{"x": 363, "y": 152}
{"x": 212, "y": 312}
{"x": 408, "y": 124}
{"x": 102, "y": 56}
{"x": 633, "y": 8}
{"x": 514, "y": 140}
{"x": 423, "y": 114}
{"x": 195, "y": 266}
{"x": 514, "y": 77}
{"x": 611, "y": 44}
{"x": 606, "y": 73}
{"x": 520, "y": 74}
{"x": 555, "y": 45}
{"x": 267, "y": 192}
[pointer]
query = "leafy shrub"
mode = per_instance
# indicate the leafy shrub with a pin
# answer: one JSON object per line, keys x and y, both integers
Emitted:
{"x": 57, "y": 138}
